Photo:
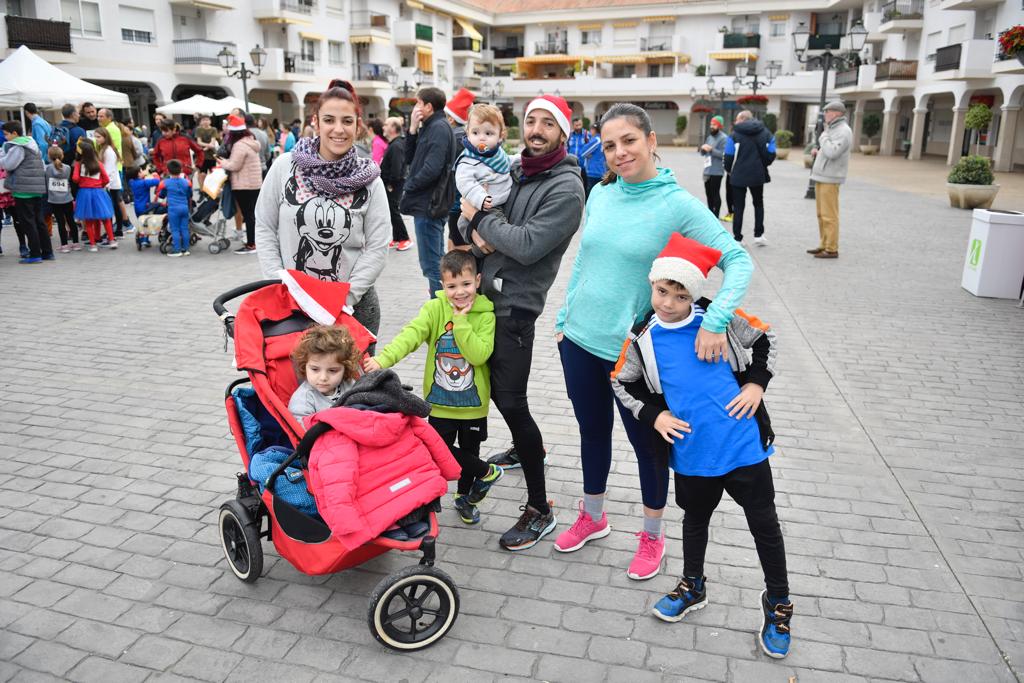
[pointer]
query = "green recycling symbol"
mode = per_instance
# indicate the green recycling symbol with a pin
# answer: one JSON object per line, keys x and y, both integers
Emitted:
{"x": 974, "y": 255}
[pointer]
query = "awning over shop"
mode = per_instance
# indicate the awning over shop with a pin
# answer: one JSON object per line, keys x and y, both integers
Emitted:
{"x": 309, "y": 35}
{"x": 366, "y": 40}
{"x": 590, "y": 27}
{"x": 413, "y": 4}
{"x": 284, "y": 20}
{"x": 420, "y": 50}
{"x": 468, "y": 29}
{"x": 657, "y": 57}
{"x": 652, "y": 20}
{"x": 553, "y": 59}
{"x": 733, "y": 55}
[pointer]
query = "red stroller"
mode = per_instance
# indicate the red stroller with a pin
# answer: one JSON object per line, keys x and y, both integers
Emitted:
{"x": 409, "y": 609}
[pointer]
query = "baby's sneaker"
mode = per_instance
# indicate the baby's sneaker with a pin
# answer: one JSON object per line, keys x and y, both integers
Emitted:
{"x": 689, "y": 595}
{"x": 583, "y": 529}
{"x": 468, "y": 512}
{"x": 775, "y": 637}
{"x": 478, "y": 491}
{"x": 647, "y": 560}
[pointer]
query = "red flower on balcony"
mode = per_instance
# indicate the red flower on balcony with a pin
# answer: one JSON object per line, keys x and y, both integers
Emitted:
{"x": 752, "y": 99}
{"x": 701, "y": 109}
{"x": 1011, "y": 41}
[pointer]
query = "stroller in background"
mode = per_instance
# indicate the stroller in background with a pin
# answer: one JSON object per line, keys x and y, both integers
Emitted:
{"x": 409, "y": 609}
{"x": 206, "y": 220}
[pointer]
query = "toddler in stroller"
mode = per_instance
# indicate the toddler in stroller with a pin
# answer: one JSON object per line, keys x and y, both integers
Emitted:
{"x": 348, "y": 456}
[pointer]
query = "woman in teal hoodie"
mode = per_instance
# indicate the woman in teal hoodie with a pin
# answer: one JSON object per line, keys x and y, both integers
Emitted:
{"x": 629, "y": 218}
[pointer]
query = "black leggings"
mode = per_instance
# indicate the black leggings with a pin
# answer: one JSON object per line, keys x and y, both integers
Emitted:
{"x": 399, "y": 233}
{"x": 713, "y": 192}
{"x": 115, "y": 198}
{"x": 64, "y": 214}
{"x": 247, "y": 204}
{"x": 753, "y": 489}
{"x": 470, "y": 433}
{"x": 510, "y": 373}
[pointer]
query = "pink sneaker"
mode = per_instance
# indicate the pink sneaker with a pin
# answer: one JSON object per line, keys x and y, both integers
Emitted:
{"x": 647, "y": 561}
{"x": 583, "y": 529}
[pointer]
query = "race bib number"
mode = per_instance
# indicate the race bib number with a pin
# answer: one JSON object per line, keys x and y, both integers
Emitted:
{"x": 707, "y": 161}
{"x": 58, "y": 185}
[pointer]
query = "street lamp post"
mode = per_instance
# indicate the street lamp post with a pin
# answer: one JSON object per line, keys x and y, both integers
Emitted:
{"x": 228, "y": 62}
{"x": 743, "y": 70}
{"x": 856, "y": 38}
{"x": 720, "y": 93}
{"x": 492, "y": 90}
{"x": 405, "y": 88}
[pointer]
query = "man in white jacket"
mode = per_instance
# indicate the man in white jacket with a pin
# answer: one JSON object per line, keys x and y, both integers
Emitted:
{"x": 831, "y": 161}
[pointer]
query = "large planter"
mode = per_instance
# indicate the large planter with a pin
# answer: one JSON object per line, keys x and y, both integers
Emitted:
{"x": 782, "y": 152}
{"x": 679, "y": 141}
{"x": 971, "y": 196}
{"x": 868, "y": 150}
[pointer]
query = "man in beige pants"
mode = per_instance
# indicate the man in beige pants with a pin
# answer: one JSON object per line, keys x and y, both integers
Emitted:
{"x": 831, "y": 161}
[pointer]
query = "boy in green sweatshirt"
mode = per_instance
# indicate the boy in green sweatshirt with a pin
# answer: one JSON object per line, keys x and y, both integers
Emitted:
{"x": 458, "y": 325}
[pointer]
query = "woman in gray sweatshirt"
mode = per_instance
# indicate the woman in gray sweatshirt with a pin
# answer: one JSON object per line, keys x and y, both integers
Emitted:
{"x": 323, "y": 210}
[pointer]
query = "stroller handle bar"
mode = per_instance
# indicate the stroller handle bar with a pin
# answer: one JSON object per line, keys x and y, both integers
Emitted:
{"x": 222, "y": 311}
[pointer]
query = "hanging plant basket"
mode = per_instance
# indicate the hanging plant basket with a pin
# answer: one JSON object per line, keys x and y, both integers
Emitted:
{"x": 752, "y": 99}
{"x": 701, "y": 109}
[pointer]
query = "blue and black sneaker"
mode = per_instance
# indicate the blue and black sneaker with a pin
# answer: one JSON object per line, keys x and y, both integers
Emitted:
{"x": 509, "y": 459}
{"x": 689, "y": 595}
{"x": 478, "y": 491}
{"x": 774, "y": 637}
{"x": 467, "y": 511}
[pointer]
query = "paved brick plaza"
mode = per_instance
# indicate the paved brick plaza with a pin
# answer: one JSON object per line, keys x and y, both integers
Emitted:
{"x": 900, "y": 478}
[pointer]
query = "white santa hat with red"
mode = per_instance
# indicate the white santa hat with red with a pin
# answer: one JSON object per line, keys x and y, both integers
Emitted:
{"x": 685, "y": 261}
{"x": 458, "y": 106}
{"x": 324, "y": 303}
{"x": 557, "y": 107}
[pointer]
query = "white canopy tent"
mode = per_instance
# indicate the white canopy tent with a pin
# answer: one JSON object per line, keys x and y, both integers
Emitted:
{"x": 201, "y": 104}
{"x": 26, "y": 77}
{"x": 229, "y": 103}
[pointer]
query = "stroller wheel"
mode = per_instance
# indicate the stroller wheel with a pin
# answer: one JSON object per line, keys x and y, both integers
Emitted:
{"x": 213, "y": 247}
{"x": 240, "y": 538}
{"x": 224, "y": 243}
{"x": 165, "y": 247}
{"x": 413, "y": 608}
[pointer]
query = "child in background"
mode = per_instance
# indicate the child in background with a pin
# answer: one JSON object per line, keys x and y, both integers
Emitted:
{"x": 142, "y": 200}
{"x": 59, "y": 199}
{"x": 6, "y": 208}
{"x": 176, "y": 192}
{"x": 482, "y": 171}
{"x": 328, "y": 359}
{"x": 704, "y": 416}
{"x": 93, "y": 205}
{"x": 458, "y": 325}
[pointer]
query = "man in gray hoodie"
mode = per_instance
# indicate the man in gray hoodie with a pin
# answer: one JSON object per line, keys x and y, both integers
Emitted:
{"x": 831, "y": 160}
{"x": 522, "y": 252}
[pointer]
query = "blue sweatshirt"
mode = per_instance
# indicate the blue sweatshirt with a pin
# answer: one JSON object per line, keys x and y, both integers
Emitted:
{"x": 140, "y": 193}
{"x": 178, "y": 192}
{"x": 626, "y": 226}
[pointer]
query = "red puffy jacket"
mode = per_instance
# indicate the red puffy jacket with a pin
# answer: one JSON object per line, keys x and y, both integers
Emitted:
{"x": 374, "y": 468}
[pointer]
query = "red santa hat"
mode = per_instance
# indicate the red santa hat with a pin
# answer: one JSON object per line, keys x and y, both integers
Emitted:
{"x": 685, "y": 261}
{"x": 324, "y": 303}
{"x": 458, "y": 106}
{"x": 557, "y": 107}
{"x": 236, "y": 123}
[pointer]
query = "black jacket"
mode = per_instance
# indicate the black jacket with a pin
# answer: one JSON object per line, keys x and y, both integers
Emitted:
{"x": 430, "y": 154}
{"x": 748, "y": 154}
{"x": 392, "y": 166}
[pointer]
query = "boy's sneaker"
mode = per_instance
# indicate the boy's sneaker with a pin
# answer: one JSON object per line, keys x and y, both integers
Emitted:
{"x": 478, "y": 491}
{"x": 728, "y": 218}
{"x": 509, "y": 459}
{"x": 30, "y": 259}
{"x": 531, "y": 527}
{"x": 647, "y": 560}
{"x": 246, "y": 249}
{"x": 775, "y": 637}
{"x": 686, "y": 597}
{"x": 760, "y": 241}
{"x": 467, "y": 511}
{"x": 582, "y": 530}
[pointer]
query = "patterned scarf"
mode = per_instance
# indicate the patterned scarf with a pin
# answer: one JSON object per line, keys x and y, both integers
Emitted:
{"x": 332, "y": 178}
{"x": 496, "y": 159}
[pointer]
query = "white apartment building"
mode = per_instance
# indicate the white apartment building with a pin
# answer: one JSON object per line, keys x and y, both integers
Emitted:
{"x": 923, "y": 64}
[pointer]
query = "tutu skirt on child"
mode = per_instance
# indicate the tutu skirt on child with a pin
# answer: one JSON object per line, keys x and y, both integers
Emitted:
{"x": 93, "y": 204}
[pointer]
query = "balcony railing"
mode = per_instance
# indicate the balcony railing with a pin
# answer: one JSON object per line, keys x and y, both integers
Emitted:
{"x": 896, "y": 70}
{"x": 198, "y": 51}
{"x": 825, "y": 41}
{"x": 38, "y": 34}
{"x": 295, "y": 63}
{"x": 362, "y": 19}
{"x": 655, "y": 44}
{"x": 902, "y": 9}
{"x": 847, "y": 78}
{"x": 731, "y": 40}
{"x": 465, "y": 43}
{"x": 948, "y": 58}
{"x": 552, "y": 47}
{"x": 424, "y": 32}
{"x": 373, "y": 72}
{"x": 298, "y": 6}
{"x": 508, "y": 52}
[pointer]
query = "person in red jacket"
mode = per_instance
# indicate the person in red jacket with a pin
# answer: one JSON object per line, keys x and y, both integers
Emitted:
{"x": 174, "y": 145}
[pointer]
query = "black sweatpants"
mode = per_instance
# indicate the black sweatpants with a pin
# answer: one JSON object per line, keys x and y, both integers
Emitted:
{"x": 247, "y": 204}
{"x": 31, "y": 222}
{"x": 753, "y": 490}
{"x": 64, "y": 214}
{"x": 713, "y": 192}
{"x": 510, "y": 373}
{"x": 469, "y": 434}
{"x": 740, "y": 198}
{"x": 399, "y": 233}
{"x": 730, "y": 206}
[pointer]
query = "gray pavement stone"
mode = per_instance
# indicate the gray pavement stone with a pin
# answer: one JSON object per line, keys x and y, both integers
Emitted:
{"x": 898, "y": 474}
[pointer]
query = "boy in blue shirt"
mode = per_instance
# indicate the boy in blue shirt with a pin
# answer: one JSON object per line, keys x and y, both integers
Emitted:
{"x": 713, "y": 427}
{"x": 177, "y": 193}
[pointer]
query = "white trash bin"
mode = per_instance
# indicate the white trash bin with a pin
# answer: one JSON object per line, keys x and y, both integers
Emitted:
{"x": 994, "y": 266}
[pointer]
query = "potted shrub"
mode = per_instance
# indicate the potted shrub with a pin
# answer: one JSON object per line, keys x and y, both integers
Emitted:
{"x": 808, "y": 156}
{"x": 872, "y": 124}
{"x": 977, "y": 119}
{"x": 679, "y": 140}
{"x": 783, "y": 142}
{"x": 771, "y": 122}
{"x": 1011, "y": 43}
{"x": 971, "y": 184}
